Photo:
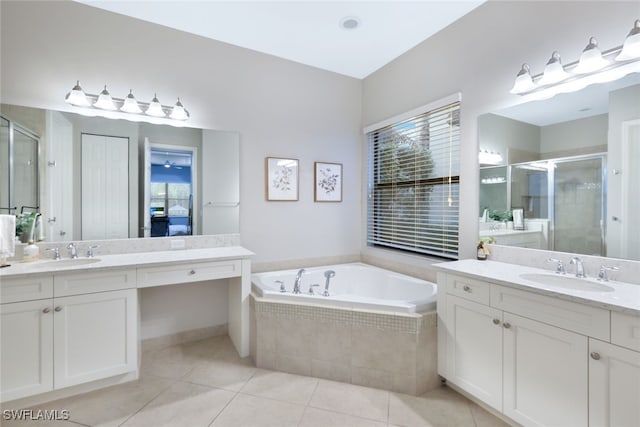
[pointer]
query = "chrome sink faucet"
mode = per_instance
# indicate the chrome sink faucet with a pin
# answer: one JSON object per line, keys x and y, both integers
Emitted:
{"x": 579, "y": 267}
{"x": 296, "y": 283}
{"x": 73, "y": 252}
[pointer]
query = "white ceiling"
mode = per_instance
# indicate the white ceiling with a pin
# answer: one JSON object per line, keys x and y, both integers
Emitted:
{"x": 304, "y": 31}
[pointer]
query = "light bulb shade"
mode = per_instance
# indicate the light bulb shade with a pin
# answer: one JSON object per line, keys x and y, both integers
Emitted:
{"x": 554, "y": 71}
{"x": 77, "y": 97}
{"x": 155, "y": 108}
{"x": 631, "y": 46}
{"x": 591, "y": 59}
{"x": 167, "y": 164}
{"x": 523, "y": 83}
{"x": 105, "y": 102}
{"x": 130, "y": 104}
{"x": 179, "y": 112}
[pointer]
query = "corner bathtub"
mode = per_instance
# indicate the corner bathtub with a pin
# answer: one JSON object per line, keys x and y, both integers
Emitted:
{"x": 354, "y": 286}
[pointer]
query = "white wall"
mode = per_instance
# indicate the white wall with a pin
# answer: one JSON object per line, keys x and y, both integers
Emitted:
{"x": 480, "y": 55}
{"x": 575, "y": 137}
{"x": 280, "y": 108}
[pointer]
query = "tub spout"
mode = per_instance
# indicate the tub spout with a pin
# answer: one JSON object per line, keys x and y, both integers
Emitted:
{"x": 296, "y": 283}
{"x": 328, "y": 275}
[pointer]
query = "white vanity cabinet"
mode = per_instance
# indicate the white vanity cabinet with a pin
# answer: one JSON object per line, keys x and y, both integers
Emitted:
{"x": 538, "y": 359}
{"x": 26, "y": 348}
{"x": 52, "y": 342}
{"x": 614, "y": 385}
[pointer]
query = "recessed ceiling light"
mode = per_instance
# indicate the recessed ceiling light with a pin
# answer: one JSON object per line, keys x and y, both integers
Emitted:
{"x": 349, "y": 23}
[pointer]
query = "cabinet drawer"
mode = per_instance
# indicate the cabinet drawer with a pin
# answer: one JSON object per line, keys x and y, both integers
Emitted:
{"x": 185, "y": 273}
{"x": 66, "y": 284}
{"x": 26, "y": 288}
{"x": 580, "y": 318}
{"x": 471, "y": 289}
{"x": 625, "y": 330}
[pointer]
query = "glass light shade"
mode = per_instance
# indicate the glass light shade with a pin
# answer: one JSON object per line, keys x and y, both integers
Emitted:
{"x": 167, "y": 164}
{"x": 631, "y": 46}
{"x": 591, "y": 59}
{"x": 523, "y": 83}
{"x": 553, "y": 72}
{"x": 178, "y": 112}
{"x": 155, "y": 108}
{"x": 130, "y": 104}
{"x": 77, "y": 97}
{"x": 105, "y": 102}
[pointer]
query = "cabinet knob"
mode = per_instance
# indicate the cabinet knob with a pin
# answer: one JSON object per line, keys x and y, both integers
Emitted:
{"x": 466, "y": 288}
{"x": 595, "y": 356}
{"x": 46, "y": 310}
{"x": 507, "y": 325}
{"x": 58, "y": 308}
{"x": 496, "y": 321}
{"x": 192, "y": 272}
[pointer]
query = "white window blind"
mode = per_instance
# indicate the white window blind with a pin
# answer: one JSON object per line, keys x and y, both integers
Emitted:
{"x": 413, "y": 183}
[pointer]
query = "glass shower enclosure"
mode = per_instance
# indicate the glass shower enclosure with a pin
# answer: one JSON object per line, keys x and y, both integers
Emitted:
{"x": 571, "y": 194}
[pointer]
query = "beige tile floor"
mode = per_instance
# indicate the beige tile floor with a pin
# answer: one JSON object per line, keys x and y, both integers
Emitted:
{"x": 205, "y": 383}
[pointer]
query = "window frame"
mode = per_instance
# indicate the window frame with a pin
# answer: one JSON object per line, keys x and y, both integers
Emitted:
{"x": 448, "y": 248}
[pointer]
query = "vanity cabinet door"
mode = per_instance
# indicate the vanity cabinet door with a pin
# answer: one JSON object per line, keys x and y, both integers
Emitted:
{"x": 545, "y": 374}
{"x": 614, "y": 385}
{"x": 26, "y": 347}
{"x": 95, "y": 336}
{"x": 474, "y": 349}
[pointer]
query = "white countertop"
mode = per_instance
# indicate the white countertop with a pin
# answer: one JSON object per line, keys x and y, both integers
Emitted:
{"x": 506, "y": 232}
{"x": 625, "y": 297}
{"x": 179, "y": 256}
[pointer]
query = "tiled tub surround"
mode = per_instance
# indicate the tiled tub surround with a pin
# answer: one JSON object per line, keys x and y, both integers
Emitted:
{"x": 377, "y": 327}
{"x": 389, "y": 351}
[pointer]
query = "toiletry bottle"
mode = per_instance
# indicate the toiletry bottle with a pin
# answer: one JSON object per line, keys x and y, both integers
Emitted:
{"x": 31, "y": 252}
{"x": 482, "y": 254}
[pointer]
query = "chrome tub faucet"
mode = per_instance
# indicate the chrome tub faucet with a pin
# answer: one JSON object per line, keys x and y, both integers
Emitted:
{"x": 296, "y": 283}
{"x": 328, "y": 275}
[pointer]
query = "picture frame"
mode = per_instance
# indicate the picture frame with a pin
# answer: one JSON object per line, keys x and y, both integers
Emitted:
{"x": 518, "y": 218}
{"x": 281, "y": 179}
{"x": 327, "y": 180}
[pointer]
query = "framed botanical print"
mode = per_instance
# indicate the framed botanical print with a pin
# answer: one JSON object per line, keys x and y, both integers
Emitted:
{"x": 281, "y": 179}
{"x": 328, "y": 182}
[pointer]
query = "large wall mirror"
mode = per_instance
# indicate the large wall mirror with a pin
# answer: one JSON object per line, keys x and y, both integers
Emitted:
{"x": 570, "y": 165}
{"x": 99, "y": 178}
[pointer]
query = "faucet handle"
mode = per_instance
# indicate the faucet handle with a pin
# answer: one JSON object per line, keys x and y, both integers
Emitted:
{"x": 311, "y": 288}
{"x": 559, "y": 266}
{"x": 90, "y": 249}
{"x": 602, "y": 274}
{"x": 282, "y": 288}
{"x": 56, "y": 253}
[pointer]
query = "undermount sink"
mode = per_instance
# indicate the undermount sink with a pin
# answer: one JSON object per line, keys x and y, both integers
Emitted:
{"x": 566, "y": 282}
{"x": 66, "y": 263}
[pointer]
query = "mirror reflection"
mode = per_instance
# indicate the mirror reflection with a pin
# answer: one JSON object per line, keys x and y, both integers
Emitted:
{"x": 98, "y": 178}
{"x": 568, "y": 163}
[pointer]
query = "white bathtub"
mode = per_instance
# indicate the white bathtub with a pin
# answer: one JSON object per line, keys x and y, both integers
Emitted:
{"x": 355, "y": 285}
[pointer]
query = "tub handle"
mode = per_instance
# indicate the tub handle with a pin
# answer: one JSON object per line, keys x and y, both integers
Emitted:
{"x": 311, "y": 288}
{"x": 282, "y": 288}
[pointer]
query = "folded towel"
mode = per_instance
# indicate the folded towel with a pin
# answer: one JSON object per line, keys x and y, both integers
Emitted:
{"x": 7, "y": 235}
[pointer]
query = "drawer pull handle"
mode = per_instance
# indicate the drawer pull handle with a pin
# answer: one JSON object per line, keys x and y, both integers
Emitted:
{"x": 46, "y": 310}
{"x": 595, "y": 356}
{"x": 496, "y": 321}
{"x": 507, "y": 325}
{"x": 466, "y": 288}
{"x": 58, "y": 309}
{"x": 192, "y": 272}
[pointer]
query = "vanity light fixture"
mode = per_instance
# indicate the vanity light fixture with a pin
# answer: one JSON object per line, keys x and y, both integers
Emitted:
{"x": 128, "y": 108}
{"x": 594, "y": 66}
{"x": 489, "y": 158}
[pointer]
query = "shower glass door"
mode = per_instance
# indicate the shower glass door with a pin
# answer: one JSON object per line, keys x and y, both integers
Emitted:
{"x": 578, "y": 205}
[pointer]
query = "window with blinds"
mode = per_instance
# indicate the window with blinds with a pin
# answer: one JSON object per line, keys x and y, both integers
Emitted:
{"x": 413, "y": 186}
